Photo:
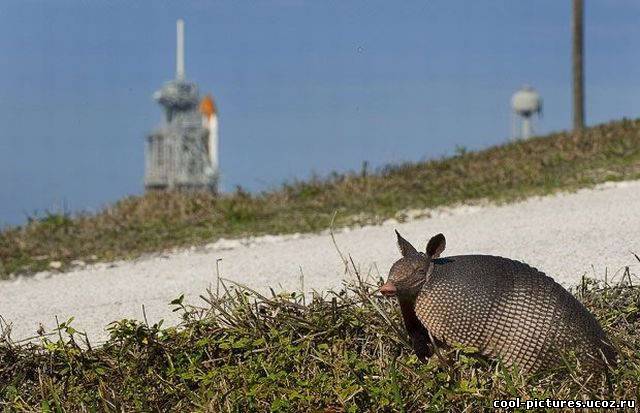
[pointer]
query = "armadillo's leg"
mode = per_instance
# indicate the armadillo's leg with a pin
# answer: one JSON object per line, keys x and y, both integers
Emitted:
{"x": 419, "y": 335}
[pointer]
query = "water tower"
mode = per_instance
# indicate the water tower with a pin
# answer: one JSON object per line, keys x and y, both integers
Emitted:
{"x": 182, "y": 154}
{"x": 526, "y": 102}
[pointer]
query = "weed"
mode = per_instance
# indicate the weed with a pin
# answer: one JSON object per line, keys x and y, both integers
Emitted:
{"x": 344, "y": 351}
{"x": 158, "y": 221}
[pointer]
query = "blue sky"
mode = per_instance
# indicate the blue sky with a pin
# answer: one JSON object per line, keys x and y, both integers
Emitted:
{"x": 302, "y": 86}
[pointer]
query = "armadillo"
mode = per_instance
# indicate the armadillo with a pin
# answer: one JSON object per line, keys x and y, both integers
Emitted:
{"x": 504, "y": 308}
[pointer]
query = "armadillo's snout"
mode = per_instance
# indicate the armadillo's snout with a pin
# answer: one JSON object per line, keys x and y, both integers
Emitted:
{"x": 388, "y": 290}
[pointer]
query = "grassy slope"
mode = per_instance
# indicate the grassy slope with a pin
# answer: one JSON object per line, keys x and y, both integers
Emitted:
{"x": 340, "y": 353}
{"x": 255, "y": 354}
{"x": 155, "y": 222}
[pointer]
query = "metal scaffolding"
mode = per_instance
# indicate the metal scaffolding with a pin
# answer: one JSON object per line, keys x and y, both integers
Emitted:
{"x": 177, "y": 154}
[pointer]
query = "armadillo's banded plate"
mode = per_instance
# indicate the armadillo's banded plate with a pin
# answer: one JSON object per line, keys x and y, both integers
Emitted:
{"x": 506, "y": 309}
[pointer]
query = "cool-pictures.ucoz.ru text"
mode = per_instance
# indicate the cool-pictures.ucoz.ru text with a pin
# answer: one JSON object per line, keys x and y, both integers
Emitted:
{"x": 563, "y": 404}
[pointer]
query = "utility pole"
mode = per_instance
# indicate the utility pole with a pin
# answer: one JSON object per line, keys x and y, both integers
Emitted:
{"x": 578, "y": 65}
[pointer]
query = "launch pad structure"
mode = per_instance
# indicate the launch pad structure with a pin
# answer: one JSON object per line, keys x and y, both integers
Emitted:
{"x": 182, "y": 154}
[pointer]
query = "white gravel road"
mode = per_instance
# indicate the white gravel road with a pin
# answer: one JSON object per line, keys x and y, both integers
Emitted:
{"x": 565, "y": 235}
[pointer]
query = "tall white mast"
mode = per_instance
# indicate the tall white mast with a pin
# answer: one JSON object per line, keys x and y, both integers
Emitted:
{"x": 180, "y": 50}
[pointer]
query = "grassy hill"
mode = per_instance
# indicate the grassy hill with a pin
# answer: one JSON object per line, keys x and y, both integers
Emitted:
{"x": 338, "y": 353}
{"x": 345, "y": 351}
{"x": 158, "y": 221}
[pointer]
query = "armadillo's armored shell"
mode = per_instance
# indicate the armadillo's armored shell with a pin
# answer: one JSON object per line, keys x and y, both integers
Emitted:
{"x": 509, "y": 310}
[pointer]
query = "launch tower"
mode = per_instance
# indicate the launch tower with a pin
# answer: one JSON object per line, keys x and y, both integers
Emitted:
{"x": 182, "y": 153}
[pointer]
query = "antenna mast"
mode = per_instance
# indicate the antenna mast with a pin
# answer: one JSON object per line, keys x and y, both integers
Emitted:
{"x": 180, "y": 50}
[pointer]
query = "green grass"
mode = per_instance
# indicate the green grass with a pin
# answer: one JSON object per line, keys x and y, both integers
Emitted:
{"x": 345, "y": 351}
{"x": 159, "y": 221}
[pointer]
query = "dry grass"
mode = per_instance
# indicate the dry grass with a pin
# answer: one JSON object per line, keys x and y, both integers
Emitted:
{"x": 160, "y": 221}
{"x": 343, "y": 352}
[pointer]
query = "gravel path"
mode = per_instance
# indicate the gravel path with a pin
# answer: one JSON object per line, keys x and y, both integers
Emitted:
{"x": 565, "y": 235}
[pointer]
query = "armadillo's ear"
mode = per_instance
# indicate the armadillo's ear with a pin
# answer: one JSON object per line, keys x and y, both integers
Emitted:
{"x": 406, "y": 249}
{"x": 435, "y": 247}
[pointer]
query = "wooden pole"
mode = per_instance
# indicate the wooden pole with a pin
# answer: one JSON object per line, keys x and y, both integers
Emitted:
{"x": 578, "y": 65}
